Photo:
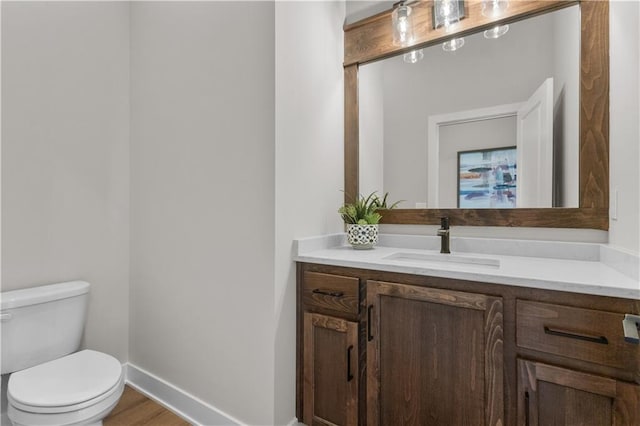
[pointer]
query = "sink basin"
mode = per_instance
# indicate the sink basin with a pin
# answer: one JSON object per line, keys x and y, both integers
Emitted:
{"x": 448, "y": 259}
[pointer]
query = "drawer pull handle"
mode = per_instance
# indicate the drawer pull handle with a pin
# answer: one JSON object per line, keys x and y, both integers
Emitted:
{"x": 328, "y": 293}
{"x": 593, "y": 339}
{"x": 369, "y": 335}
{"x": 630, "y": 326}
{"x": 349, "y": 375}
{"x": 526, "y": 408}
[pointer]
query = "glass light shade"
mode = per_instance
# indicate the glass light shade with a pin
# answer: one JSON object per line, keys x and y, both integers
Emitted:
{"x": 402, "y": 26}
{"x": 453, "y": 44}
{"x": 496, "y": 32}
{"x": 446, "y": 13}
{"x": 413, "y": 56}
{"x": 494, "y": 8}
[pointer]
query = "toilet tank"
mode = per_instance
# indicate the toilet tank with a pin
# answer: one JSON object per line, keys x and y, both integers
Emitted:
{"x": 40, "y": 324}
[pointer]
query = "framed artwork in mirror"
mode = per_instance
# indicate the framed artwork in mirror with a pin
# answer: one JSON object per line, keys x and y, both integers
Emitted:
{"x": 487, "y": 178}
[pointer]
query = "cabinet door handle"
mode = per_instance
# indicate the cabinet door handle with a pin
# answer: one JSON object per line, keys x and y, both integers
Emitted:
{"x": 630, "y": 325}
{"x": 349, "y": 375}
{"x": 328, "y": 293}
{"x": 369, "y": 335}
{"x": 593, "y": 339}
{"x": 526, "y": 409}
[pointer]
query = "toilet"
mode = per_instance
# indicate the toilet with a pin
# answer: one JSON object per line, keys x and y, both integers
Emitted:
{"x": 50, "y": 383}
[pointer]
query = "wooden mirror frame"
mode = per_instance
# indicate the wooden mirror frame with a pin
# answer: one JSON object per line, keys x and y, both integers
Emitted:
{"x": 371, "y": 39}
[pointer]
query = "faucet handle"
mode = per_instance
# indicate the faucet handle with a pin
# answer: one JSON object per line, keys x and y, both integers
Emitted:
{"x": 444, "y": 222}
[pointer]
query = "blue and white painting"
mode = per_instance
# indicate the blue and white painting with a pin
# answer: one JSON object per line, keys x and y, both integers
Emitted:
{"x": 487, "y": 178}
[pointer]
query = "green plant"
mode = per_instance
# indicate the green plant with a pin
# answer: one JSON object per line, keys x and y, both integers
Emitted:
{"x": 382, "y": 204}
{"x": 364, "y": 210}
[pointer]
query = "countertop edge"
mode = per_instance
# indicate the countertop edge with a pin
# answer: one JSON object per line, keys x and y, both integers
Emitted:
{"x": 572, "y": 287}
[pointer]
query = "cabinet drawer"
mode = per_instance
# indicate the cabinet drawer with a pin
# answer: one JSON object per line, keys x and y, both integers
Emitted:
{"x": 584, "y": 334}
{"x": 333, "y": 292}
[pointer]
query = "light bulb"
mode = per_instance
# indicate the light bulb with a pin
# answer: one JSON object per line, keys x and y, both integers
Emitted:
{"x": 413, "y": 56}
{"x": 494, "y": 8}
{"x": 496, "y": 32}
{"x": 402, "y": 29}
{"x": 447, "y": 13}
{"x": 453, "y": 44}
{"x": 402, "y": 26}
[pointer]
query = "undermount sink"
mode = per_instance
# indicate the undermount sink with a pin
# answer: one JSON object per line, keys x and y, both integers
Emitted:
{"x": 467, "y": 260}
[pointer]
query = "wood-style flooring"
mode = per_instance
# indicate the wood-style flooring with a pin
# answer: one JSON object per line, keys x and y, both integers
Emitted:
{"x": 136, "y": 409}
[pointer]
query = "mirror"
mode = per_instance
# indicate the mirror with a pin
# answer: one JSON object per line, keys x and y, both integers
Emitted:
{"x": 577, "y": 173}
{"x": 437, "y": 128}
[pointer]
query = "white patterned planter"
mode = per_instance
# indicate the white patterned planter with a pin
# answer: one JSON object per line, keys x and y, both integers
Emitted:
{"x": 362, "y": 237}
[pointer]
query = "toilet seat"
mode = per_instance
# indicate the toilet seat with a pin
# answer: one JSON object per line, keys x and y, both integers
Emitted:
{"x": 78, "y": 388}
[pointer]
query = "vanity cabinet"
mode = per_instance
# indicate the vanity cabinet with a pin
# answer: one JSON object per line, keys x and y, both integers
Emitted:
{"x": 550, "y": 395}
{"x": 330, "y": 362}
{"x": 387, "y": 348}
{"x": 434, "y": 356}
{"x": 330, "y": 349}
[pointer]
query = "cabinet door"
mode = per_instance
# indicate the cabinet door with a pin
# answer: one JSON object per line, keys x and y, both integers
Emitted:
{"x": 330, "y": 371}
{"x": 434, "y": 357}
{"x": 549, "y": 395}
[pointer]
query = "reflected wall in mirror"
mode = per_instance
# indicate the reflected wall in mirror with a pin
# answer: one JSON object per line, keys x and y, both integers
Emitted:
{"x": 521, "y": 90}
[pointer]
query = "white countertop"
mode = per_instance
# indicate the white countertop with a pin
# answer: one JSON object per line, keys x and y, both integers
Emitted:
{"x": 576, "y": 267}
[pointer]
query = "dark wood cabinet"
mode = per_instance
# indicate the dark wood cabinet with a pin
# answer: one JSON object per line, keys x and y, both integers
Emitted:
{"x": 385, "y": 348}
{"x": 550, "y": 395}
{"x": 330, "y": 366}
{"x": 554, "y": 395}
{"x": 587, "y": 334}
{"x": 434, "y": 357}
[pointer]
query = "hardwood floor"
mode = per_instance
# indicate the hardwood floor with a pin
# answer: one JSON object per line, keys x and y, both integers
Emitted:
{"x": 136, "y": 409}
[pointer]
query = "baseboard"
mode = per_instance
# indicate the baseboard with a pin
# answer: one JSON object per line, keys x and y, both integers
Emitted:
{"x": 187, "y": 406}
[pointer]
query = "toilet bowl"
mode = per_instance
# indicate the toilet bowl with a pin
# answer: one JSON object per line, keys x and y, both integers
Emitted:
{"x": 78, "y": 389}
{"x": 51, "y": 384}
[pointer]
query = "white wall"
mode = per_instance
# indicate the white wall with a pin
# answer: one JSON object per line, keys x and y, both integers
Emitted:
{"x": 360, "y": 9}
{"x": 65, "y": 158}
{"x": 371, "y": 110}
{"x": 309, "y": 158}
{"x": 202, "y": 200}
{"x": 624, "y": 231}
{"x": 566, "y": 114}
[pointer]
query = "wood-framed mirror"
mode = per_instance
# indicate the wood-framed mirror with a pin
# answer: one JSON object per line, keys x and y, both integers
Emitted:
{"x": 371, "y": 39}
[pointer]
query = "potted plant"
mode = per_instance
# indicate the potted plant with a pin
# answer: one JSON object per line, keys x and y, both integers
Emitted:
{"x": 362, "y": 219}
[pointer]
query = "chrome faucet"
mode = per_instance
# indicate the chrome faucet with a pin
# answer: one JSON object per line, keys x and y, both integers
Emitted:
{"x": 443, "y": 233}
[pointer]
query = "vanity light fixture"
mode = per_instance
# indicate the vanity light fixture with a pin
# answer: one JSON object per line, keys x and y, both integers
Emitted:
{"x": 447, "y": 12}
{"x": 413, "y": 56}
{"x": 402, "y": 24}
{"x": 496, "y": 32}
{"x": 453, "y": 44}
{"x": 494, "y": 8}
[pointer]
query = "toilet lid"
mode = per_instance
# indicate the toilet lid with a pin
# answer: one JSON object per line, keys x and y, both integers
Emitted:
{"x": 69, "y": 380}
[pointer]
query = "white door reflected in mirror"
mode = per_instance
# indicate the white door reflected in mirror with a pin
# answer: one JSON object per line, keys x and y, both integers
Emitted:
{"x": 535, "y": 148}
{"x": 493, "y": 171}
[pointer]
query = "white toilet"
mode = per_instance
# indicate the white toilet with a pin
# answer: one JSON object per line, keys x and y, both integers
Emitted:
{"x": 51, "y": 384}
